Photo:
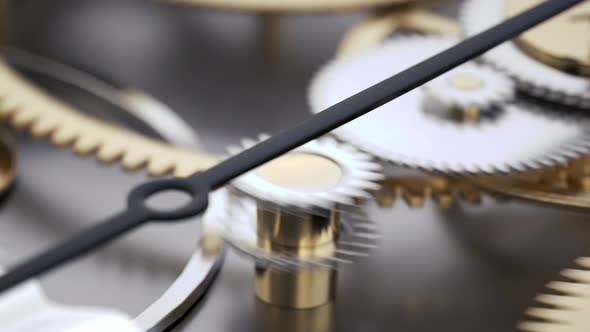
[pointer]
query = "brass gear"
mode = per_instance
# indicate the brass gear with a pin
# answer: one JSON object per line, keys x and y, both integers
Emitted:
{"x": 24, "y": 106}
{"x": 570, "y": 310}
{"x": 416, "y": 190}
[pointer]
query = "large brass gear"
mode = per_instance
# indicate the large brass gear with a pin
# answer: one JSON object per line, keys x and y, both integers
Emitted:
{"x": 27, "y": 107}
{"x": 570, "y": 310}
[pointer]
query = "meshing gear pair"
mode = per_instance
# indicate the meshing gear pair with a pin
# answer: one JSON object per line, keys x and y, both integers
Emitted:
{"x": 415, "y": 189}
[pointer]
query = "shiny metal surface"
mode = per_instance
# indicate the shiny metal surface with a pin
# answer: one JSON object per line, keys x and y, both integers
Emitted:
{"x": 470, "y": 268}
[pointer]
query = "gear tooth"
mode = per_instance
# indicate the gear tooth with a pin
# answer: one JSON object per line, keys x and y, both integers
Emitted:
{"x": 134, "y": 160}
{"x": 23, "y": 119}
{"x": 443, "y": 200}
{"x": 413, "y": 200}
{"x": 470, "y": 195}
{"x": 566, "y": 302}
{"x": 86, "y": 144}
{"x": 158, "y": 167}
{"x": 577, "y": 275}
{"x": 233, "y": 150}
{"x": 556, "y": 315}
{"x": 63, "y": 136}
{"x": 576, "y": 289}
{"x": 185, "y": 171}
{"x": 583, "y": 262}
{"x": 43, "y": 128}
{"x": 248, "y": 143}
{"x": 110, "y": 152}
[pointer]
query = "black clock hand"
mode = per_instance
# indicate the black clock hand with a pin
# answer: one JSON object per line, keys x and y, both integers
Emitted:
{"x": 199, "y": 185}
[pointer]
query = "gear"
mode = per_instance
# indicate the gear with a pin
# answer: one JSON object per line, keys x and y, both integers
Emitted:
{"x": 533, "y": 77}
{"x": 343, "y": 174}
{"x": 452, "y": 148}
{"x": 468, "y": 92}
{"x": 570, "y": 310}
{"x": 25, "y": 106}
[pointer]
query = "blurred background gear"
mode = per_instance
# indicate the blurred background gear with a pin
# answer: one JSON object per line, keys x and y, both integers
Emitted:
{"x": 569, "y": 309}
{"x": 546, "y": 66}
{"x": 27, "y": 107}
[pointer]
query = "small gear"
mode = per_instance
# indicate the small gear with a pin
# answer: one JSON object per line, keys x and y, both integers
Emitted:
{"x": 341, "y": 174}
{"x": 570, "y": 310}
{"x": 401, "y": 132}
{"x": 533, "y": 76}
{"x": 25, "y": 106}
{"x": 468, "y": 92}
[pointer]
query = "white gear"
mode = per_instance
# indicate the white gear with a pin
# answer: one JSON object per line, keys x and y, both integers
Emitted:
{"x": 401, "y": 132}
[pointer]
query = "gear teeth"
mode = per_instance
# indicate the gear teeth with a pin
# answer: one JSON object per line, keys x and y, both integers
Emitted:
{"x": 415, "y": 191}
{"x": 567, "y": 311}
{"x": 25, "y": 107}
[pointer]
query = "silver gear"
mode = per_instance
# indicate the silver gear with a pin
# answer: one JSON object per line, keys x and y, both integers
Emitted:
{"x": 359, "y": 174}
{"x": 401, "y": 132}
{"x": 533, "y": 77}
{"x": 471, "y": 86}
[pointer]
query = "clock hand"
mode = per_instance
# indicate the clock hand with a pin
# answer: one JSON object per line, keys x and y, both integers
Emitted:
{"x": 199, "y": 185}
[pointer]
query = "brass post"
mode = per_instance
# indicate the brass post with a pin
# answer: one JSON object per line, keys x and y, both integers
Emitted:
{"x": 302, "y": 235}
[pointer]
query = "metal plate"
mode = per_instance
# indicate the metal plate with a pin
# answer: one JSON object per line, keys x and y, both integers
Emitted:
{"x": 464, "y": 269}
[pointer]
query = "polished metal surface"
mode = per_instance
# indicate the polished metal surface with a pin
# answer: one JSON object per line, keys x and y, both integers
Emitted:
{"x": 469, "y": 268}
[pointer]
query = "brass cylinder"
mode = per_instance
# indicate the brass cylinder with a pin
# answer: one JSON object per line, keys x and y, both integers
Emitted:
{"x": 270, "y": 318}
{"x": 302, "y": 235}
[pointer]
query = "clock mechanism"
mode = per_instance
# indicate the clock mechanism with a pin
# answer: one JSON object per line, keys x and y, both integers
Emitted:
{"x": 427, "y": 165}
